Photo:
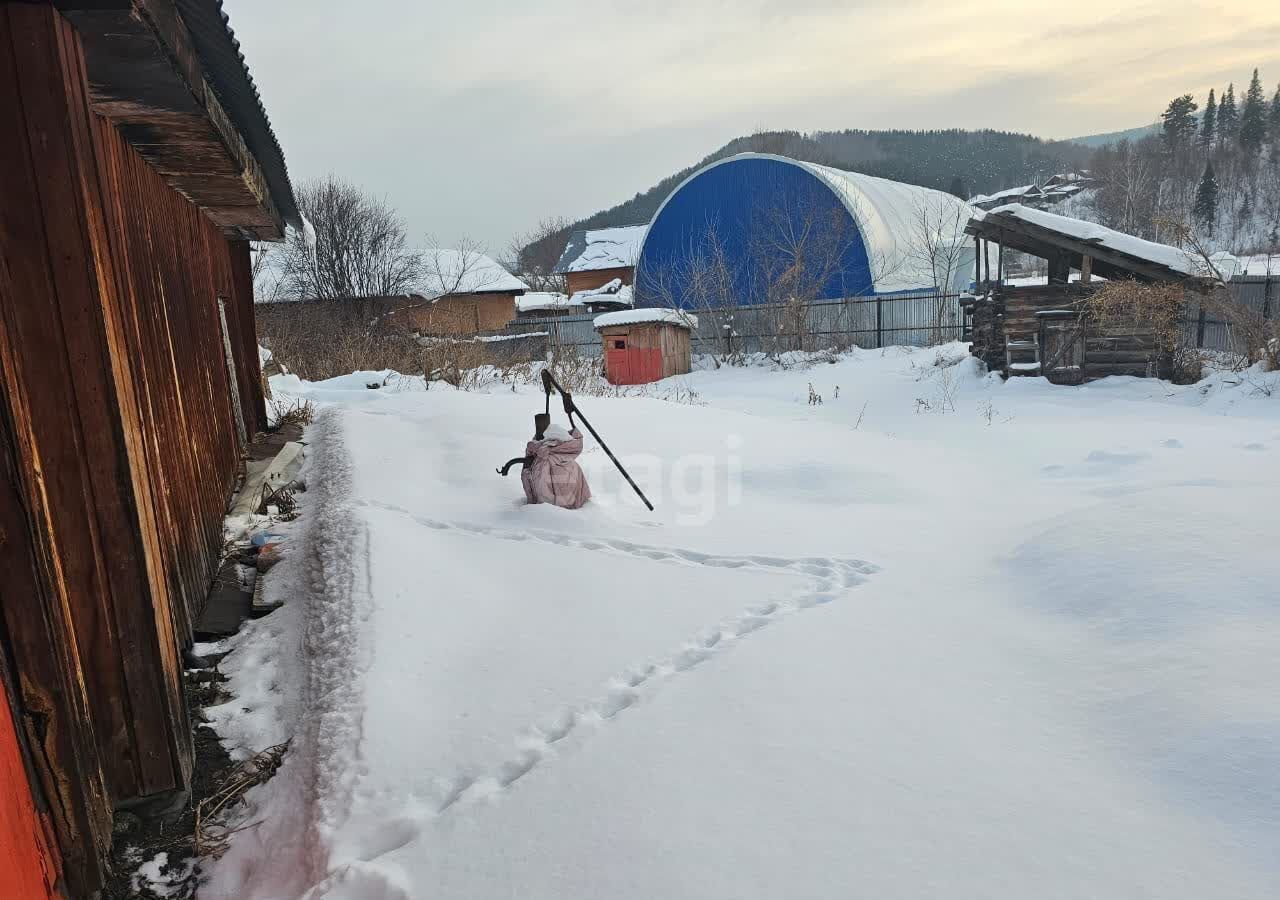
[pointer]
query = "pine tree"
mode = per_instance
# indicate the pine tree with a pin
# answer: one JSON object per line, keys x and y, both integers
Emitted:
{"x": 1180, "y": 121}
{"x": 957, "y": 188}
{"x": 1275, "y": 117}
{"x": 1206, "y": 208}
{"x": 1253, "y": 117}
{"x": 1246, "y": 211}
{"x": 1228, "y": 119}
{"x": 1209, "y": 124}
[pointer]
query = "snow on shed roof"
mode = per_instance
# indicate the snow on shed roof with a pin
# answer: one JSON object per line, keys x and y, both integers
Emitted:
{"x": 465, "y": 272}
{"x": 601, "y": 248}
{"x": 1161, "y": 254}
{"x": 645, "y": 316}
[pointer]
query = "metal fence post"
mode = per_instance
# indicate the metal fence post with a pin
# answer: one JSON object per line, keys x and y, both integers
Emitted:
{"x": 879, "y": 323}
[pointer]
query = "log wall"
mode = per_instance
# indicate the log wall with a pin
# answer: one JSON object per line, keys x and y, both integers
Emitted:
{"x": 121, "y": 434}
{"x": 1013, "y": 314}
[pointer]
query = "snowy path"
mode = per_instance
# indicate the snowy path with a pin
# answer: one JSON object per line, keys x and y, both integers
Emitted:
{"x": 1063, "y": 690}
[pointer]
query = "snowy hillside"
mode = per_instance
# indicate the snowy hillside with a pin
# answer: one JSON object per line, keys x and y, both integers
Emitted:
{"x": 935, "y": 635}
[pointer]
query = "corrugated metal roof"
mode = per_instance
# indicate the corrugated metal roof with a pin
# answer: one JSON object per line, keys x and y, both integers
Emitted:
{"x": 228, "y": 74}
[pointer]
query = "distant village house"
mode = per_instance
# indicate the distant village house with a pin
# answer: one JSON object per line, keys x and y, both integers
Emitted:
{"x": 465, "y": 292}
{"x": 462, "y": 292}
{"x": 593, "y": 258}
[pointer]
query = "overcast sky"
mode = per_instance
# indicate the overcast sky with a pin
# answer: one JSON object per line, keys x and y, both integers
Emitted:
{"x": 478, "y": 119}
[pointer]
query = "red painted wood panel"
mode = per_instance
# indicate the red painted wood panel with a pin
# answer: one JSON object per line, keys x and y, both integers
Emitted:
{"x": 28, "y": 866}
{"x": 633, "y": 365}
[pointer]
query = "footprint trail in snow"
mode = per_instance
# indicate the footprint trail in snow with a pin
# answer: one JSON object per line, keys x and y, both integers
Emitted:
{"x": 826, "y": 579}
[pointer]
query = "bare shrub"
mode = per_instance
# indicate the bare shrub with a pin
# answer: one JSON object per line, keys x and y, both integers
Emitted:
{"x": 291, "y": 412}
{"x": 325, "y": 339}
{"x": 936, "y": 250}
{"x": 578, "y": 373}
{"x": 1254, "y": 336}
{"x": 1149, "y": 316}
{"x": 1254, "y": 333}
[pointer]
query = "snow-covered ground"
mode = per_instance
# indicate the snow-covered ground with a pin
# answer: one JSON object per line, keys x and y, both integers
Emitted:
{"x": 937, "y": 636}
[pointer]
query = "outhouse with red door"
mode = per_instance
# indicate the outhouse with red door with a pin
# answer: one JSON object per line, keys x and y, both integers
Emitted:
{"x": 644, "y": 345}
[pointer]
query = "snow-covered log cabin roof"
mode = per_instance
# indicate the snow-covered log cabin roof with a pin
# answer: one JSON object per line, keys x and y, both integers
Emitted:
{"x": 601, "y": 248}
{"x": 1114, "y": 253}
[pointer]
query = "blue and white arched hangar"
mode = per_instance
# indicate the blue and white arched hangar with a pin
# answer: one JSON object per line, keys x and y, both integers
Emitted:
{"x": 756, "y": 228}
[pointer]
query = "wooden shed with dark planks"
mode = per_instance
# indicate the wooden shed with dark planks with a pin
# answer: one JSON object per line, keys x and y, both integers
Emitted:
{"x": 645, "y": 345}
{"x": 1042, "y": 329}
{"x": 593, "y": 258}
{"x": 136, "y": 163}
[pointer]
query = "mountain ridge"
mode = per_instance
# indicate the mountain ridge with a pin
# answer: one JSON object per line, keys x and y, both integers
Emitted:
{"x": 961, "y": 161}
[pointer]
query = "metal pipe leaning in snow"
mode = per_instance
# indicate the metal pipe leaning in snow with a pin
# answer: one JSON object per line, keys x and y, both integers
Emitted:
{"x": 549, "y": 383}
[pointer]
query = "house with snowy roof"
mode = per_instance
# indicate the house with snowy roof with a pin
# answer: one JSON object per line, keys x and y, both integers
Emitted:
{"x": 1040, "y": 195}
{"x": 463, "y": 292}
{"x": 459, "y": 292}
{"x": 595, "y": 257}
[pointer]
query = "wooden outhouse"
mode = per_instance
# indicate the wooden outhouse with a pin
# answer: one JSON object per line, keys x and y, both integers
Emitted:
{"x": 645, "y": 345}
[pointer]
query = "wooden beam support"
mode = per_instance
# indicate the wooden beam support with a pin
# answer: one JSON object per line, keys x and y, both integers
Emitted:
{"x": 1060, "y": 268}
{"x": 1044, "y": 243}
{"x": 144, "y": 75}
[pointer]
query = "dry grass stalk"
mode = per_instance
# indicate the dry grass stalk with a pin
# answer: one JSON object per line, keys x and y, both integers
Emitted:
{"x": 212, "y": 834}
{"x": 293, "y": 412}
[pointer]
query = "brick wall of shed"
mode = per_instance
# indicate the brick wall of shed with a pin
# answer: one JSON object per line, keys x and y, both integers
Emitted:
{"x": 119, "y": 413}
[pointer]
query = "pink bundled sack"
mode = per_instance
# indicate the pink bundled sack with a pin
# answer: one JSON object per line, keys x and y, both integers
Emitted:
{"x": 549, "y": 469}
{"x": 553, "y": 475}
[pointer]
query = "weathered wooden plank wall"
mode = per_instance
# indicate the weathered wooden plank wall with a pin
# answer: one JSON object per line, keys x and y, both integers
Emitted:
{"x": 119, "y": 413}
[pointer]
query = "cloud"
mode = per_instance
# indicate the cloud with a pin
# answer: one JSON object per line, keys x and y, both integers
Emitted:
{"x": 483, "y": 118}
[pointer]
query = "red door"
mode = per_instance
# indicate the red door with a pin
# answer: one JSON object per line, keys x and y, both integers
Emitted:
{"x": 617, "y": 362}
{"x": 28, "y": 869}
{"x": 624, "y": 364}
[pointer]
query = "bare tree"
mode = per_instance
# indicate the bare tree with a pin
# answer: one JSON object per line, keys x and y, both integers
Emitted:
{"x": 937, "y": 248}
{"x": 796, "y": 252}
{"x": 358, "y": 247}
{"x": 533, "y": 255}
{"x": 267, "y": 267}
{"x": 799, "y": 253}
{"x": 1126, "y": 179}
{"x": 464, "y": 269}
{"x": 448, "y": 272}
